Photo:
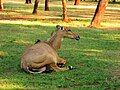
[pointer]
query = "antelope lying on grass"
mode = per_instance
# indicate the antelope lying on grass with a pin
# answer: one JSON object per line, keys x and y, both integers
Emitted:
{"x": 44, "y": 53}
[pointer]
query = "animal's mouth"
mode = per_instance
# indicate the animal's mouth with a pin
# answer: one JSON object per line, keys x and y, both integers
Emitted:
{"x": 77, "y": 38}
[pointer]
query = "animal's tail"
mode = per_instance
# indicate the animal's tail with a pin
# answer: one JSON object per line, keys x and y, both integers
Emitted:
{"x": 37, "y": 41}
{"x": 32, "y": 71}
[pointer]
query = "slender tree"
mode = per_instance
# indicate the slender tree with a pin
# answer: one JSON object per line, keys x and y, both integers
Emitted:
{"x": 77, "y": 2}
{"x": 82, "y": 0}
{"x": 100, "y": 10}
{"x": 28, "y": 1}
{"x": 35, "y": 7}
{"x": 1, "y": 5}
{"x": 94, "y": 0}
{"x": 46, "y": 5}
{"x": 114, "y": 0}
{"x": 65, "y": 17}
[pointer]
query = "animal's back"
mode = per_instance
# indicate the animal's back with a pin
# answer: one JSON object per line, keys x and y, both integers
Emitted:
{"x": 38, "y": 52}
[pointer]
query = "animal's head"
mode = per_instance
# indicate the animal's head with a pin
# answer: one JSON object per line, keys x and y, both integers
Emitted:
{"x": 67, "y": 33}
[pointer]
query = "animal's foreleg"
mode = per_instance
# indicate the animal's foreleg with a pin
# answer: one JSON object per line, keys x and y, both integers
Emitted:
{"x": 56, "y": 68}
{"x": 61, "y": 60}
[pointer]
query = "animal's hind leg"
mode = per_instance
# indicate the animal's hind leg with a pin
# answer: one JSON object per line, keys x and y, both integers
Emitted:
{"x": 38, "y": 65}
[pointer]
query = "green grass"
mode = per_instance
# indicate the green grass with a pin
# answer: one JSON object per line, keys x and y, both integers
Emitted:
{"x": 96, "y": 56}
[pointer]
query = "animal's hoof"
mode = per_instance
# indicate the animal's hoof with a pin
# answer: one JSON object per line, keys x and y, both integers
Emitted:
{"x": 71, "y": 67}
{"x": 60, "y": 65}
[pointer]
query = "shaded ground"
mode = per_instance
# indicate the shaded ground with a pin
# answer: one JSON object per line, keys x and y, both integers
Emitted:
{"x": 82, "y": 13}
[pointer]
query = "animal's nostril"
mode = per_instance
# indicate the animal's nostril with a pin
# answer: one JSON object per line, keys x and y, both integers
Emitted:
{"x": 79, "y": 37}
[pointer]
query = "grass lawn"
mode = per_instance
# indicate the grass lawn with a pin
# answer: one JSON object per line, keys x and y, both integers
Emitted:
{"x": 96, "y": 56}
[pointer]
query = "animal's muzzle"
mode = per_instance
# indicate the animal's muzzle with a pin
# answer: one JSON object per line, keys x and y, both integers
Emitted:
{"x": 77, "y": 38}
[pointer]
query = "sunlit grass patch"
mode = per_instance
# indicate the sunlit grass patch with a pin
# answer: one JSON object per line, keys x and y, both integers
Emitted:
{"x": 92, "y": 52}
{"x": 5, "y": 84}
{"x": 2, "y": 54}
{"x": 21, "y": 42}
{"x": 111, "y": 36}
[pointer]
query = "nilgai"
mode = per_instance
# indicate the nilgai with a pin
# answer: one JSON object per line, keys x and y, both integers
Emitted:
{"x": 44, "y": 53}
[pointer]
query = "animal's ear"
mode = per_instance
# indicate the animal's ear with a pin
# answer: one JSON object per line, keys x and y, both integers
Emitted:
{"x": 59, "y": 27}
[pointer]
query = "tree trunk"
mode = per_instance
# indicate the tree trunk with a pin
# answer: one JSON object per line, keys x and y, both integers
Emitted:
{"x": 82, "y": 0}
{"x": 65, "y": 17}
{"x": 46, "y": 5}
{"x": 77, "y": 2}
{"x": 35, "y": 7}
{"x": 114, "y": 0}
{"x": 100, "y": 10}
{"x": 28, "y": 1}
{"x": 1, "y": 5}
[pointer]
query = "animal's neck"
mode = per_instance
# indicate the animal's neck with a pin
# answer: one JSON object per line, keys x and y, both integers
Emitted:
{"x": 56, "y": 40}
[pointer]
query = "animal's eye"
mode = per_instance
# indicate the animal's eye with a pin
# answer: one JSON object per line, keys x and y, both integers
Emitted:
{"x": 69, "y": 30}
